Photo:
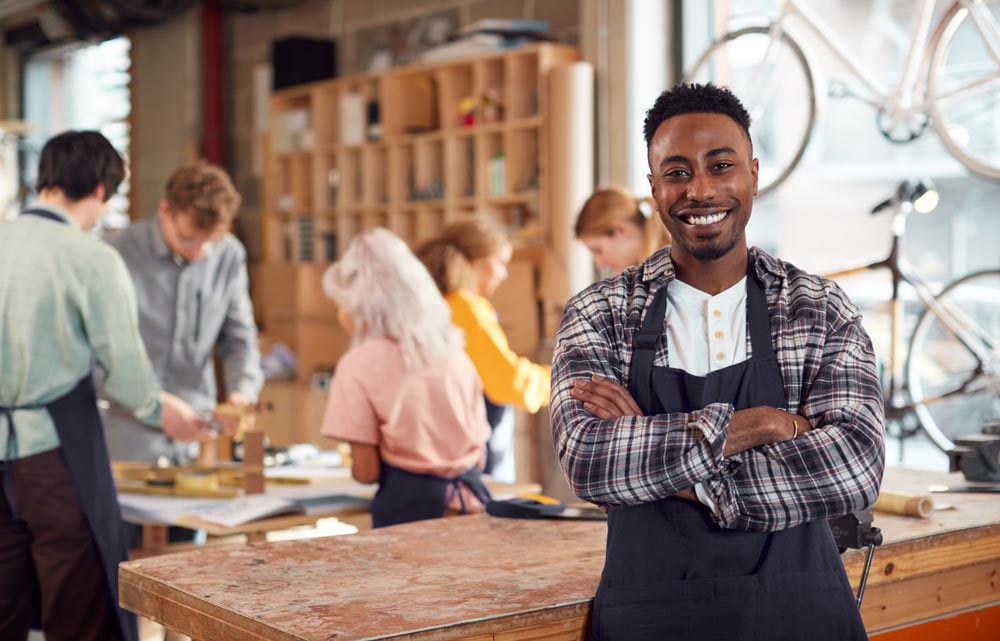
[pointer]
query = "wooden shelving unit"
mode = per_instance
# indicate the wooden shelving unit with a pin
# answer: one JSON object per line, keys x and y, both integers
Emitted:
{"x": 395, "y": 149}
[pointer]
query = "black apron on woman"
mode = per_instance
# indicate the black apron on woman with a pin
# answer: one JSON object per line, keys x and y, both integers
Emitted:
{"x": 83, "y": 449}
{"x": 671, "y": 573}
{"x": 404, "y": 496}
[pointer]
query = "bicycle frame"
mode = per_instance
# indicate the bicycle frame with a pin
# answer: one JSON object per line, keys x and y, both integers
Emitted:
{"x": 964, "y": 329}
{"x": 908, "y": 93}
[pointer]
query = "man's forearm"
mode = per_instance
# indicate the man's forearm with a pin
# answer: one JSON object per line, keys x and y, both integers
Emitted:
{"x": 634, "y": 459}
{"x": 834, "y": 469}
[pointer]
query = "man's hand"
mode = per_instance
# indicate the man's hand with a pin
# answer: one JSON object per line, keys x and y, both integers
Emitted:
{"x": 180, "y": 421}
{"x": 761, "y": 425}
{"x": 604, "y": 398}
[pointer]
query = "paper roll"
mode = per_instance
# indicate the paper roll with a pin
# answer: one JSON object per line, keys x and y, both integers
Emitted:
{"x": 904, "y": 504}
{"x": 570, "y": 180}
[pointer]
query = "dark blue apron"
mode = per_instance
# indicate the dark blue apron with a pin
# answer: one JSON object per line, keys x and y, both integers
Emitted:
{"x": 671, "y": 573}
{"x": 85, "y": 452}
{"x": 404, "y": 496}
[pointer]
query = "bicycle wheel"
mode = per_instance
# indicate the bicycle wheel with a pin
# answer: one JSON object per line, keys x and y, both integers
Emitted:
{"x": 772, "y": 79}
{"x": 939, "y": 363}
{"x": 964, "y": 86}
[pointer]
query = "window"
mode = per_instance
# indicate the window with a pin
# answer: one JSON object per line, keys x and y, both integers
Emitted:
{"x": 83, "y": 86}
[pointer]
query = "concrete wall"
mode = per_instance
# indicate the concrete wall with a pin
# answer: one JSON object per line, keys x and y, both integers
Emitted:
{"x": 166, "y": 118}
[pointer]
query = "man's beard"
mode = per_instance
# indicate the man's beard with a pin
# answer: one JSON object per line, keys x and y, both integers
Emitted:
{"x": 715, "y": 249}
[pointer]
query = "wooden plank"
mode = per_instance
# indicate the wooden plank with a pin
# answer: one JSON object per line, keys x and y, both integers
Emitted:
{"x": 927, "y": 556}
{"x": 901, "y": 603}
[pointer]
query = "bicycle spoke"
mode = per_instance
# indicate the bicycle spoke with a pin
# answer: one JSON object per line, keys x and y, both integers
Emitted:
{"x": 953, "y": 369}
{"x": 972, "y": 89}
{"x": 987, "y": 28}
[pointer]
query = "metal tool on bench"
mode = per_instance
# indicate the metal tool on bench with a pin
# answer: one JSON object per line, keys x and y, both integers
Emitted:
{"x": 855, "y": 530}
{"x": 977, "y": 456}
{"x": 538, "y": 506}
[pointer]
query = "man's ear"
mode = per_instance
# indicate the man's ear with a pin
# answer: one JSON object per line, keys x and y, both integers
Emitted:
{"x": 163, "y": 207}
{"x": 98, "y": 192}
{"x": 754, "y": 172}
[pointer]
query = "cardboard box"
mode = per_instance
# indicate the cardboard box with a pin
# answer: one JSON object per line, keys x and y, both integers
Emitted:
{"x": 290, "y": 289}
{"x": 278, "y": 419}
{"x": 311, "y": 407}
{"x": 516, "y": 301}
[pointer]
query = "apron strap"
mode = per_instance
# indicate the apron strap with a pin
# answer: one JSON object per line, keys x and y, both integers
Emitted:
{"x": 644, "y": 349}
{"x": 472, "y": 478}
{"x": 43, "y": 213}
{"x": 644, "y": 343}
{"x": 758, "y": 316}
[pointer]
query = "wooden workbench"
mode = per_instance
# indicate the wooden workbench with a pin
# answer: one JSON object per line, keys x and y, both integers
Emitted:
{"x": 478, "y": 578}
{"x": 349, "y": 503}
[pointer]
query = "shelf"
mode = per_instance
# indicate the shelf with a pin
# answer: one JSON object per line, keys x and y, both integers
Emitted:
{"x": 412, "y": 149}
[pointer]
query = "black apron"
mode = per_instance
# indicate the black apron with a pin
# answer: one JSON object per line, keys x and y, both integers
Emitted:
{"x": 671, "y": 573}
{"x": 404, "y": 496}
{"x": 85, "y": 452}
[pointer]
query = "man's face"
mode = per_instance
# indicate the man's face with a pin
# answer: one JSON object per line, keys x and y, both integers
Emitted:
{"x": 183, "y": 236}
{"x": 703, "y": 179}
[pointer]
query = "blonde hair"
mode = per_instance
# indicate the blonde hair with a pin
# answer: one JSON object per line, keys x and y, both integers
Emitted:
{"x": 449, "y": 257}
{"x": 610, "y": 205}
{"x": 389, "y": 294}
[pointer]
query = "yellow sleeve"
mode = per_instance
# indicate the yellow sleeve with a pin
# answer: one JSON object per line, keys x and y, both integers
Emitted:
{"x": 507, "y": 377}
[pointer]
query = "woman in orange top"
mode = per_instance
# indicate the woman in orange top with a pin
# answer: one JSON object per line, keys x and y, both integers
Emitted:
{"x": 468, "y": 261}
{"x": 405, "y": 395}
{"x": 619, "y": 229}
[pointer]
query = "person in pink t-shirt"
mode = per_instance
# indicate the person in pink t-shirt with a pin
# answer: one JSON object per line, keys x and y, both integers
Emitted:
{"x": 405, "y": 395}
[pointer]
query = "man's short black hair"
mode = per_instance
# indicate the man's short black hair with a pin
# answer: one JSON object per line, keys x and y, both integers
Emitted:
{"x": 694, "y": 98}
{"x": 76, "y": 162}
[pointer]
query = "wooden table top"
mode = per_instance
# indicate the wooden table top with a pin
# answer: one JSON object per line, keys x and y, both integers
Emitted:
{"x": 459, "y": 577}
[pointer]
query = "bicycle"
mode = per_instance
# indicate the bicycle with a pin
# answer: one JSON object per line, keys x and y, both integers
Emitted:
{"x": 951, "y": 78}
{"x": 951, "y": 382}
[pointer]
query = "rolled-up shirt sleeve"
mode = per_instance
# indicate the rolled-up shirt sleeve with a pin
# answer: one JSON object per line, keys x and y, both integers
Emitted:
{"x": 835, "y": 468}
{"x": 111, "y": 322}
{"x": 634, "y": 459}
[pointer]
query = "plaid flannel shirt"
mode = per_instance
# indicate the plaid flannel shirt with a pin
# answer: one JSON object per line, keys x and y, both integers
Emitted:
{"x": 830, "y": 377}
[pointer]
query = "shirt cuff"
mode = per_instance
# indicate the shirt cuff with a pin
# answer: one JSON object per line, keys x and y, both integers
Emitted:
{"x": 712, "y": 422}
{"x": 706, "y": 499}
{"x": 151, "y": 415}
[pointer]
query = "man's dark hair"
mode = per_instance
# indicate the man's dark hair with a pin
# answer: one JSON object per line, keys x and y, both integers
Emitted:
{"x": 76, "y": 162}
{"x": 694, "y": 98}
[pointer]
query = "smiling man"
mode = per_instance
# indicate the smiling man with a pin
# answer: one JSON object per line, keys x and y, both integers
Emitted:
{"x": 722, "y": 403}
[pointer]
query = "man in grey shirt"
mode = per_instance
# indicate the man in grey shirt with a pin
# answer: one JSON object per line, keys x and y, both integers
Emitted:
{"x": 192, "y": 288}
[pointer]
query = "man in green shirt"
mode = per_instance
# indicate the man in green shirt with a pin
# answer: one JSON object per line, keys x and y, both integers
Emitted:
{"x": 67, "y": 305}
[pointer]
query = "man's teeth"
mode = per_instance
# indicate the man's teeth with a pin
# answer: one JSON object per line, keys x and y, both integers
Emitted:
{"x": 710, "y": 219}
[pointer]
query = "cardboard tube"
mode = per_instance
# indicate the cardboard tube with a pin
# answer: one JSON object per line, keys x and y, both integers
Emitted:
{"x": 904, "y": 504}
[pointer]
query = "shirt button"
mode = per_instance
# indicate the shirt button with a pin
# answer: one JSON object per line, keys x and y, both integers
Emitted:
{"x": 720, "y": 356}
{"x": 716, "y": 313}
{"x": 718, "y": 334}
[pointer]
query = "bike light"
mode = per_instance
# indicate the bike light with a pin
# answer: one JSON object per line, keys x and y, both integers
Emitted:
{"x": 924, "y": 196}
